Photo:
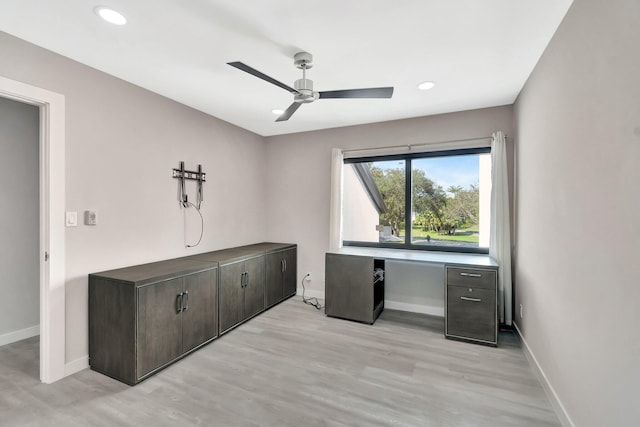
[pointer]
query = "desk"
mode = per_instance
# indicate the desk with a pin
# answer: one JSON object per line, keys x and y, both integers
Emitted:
{"x": 350, "y": 291}
{"x": 445, "y": 258}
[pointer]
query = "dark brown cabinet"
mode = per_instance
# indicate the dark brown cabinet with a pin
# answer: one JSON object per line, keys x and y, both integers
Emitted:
{"x": 144, "y": 317}
{"x": 354, "y": 287}
{"x": 241, "y": 290}
{"x": 471, "y": 304}
{"x": 281, "y": 268}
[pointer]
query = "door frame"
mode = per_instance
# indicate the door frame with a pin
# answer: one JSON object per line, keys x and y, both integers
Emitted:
{"x": 52, "y": 229}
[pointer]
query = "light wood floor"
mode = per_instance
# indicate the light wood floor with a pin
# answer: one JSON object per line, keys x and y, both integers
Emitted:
{"x": 292, "y": 366}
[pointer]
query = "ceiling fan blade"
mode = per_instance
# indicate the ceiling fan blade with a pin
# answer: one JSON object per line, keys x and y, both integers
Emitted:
{"x": 373, "y": 92}
{"x": 258, "y": 74}
{"x": 289, "y": 112}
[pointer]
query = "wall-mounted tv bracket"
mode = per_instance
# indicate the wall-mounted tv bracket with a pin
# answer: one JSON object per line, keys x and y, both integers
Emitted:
{"x": 183, "y": 175}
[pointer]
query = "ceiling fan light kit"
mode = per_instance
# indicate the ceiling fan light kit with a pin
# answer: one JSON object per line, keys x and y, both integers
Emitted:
{"x": 302, "y": 89}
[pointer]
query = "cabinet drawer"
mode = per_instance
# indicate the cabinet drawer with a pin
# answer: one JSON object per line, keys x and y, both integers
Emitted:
{"x": 474, "y": 277}
{"x": 471, "y": 313}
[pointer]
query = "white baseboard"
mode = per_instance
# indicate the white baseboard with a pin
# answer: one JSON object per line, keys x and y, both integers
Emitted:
{"x": 414, "y": 308}
{"x": 20, "y": 335}
{"x": 391, "y": 305}
{"x": 557, "y": 405}
{"x": 77, "y": 365}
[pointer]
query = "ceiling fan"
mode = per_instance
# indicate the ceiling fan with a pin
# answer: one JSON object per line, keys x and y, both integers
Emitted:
{"x": 302, "y": 89}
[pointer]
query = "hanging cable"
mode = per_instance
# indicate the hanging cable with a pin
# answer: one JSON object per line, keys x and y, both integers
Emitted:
{"x": 313, "y": 301}
{"x": 201, "y": 225}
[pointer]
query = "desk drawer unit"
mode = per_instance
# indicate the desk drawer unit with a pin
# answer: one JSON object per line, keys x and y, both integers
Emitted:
{"x": 471, "y": 296}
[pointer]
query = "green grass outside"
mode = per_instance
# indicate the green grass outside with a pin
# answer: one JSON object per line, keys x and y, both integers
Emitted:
{"x": 469, "y": 234}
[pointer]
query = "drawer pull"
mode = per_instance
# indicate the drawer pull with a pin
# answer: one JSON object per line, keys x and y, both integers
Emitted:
{"x": 471, "y": 299}
{"x": 471, "y": 274}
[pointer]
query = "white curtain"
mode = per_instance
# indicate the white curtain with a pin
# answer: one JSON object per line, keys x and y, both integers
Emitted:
{"x": 335, "y": 216}
{"x": 500, "y": 237}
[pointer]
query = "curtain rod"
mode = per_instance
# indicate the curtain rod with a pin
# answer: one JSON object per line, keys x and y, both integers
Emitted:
{"x": 410, "y": 146}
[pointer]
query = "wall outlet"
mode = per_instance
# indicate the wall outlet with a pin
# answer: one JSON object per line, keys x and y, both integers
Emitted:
{"x": 307, "y": 278}
{"x": 90, "y": 217}
{"x": 521, "y": 311}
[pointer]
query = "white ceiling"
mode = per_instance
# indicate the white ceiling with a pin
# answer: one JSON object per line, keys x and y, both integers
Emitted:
{"x": 479, "y": 53}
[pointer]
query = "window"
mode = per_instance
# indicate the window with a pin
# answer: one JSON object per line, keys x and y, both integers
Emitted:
{"x": 428, "y": 201}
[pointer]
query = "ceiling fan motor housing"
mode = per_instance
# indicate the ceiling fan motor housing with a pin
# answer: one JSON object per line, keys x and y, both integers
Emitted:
{"x": 304, "y": 61}
{"x": 305, "y": 87}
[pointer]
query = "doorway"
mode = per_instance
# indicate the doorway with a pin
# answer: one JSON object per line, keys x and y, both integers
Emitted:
{"x": 51, "y": 248}
{"x": 19, "y": 221}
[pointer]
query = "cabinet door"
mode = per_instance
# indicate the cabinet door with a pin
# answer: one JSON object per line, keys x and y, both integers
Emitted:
{"x": 254, "y": 291}
{"x": 290, "y": 273}
{"x": 349, "y": 287}
{"x": 199, "y": 319}
{"x": 159, "y": 325}
{"x": 273, "y": 280}
{"x": 231, "y": 295}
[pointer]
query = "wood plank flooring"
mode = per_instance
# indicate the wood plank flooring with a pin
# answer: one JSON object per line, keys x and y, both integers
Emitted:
{"x": 292, "y": 366}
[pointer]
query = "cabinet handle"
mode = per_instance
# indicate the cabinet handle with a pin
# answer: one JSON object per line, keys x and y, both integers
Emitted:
{"x": 185, "y": 301}
{"x": 242, "y": 280}
{"x": 471, "y": 274}
{"x": 245, "y": 279}
{"x": 285, "y": 265}
{"x": 471, "y": 299}
{"x": 179, "y": 302}
{"x": 282, "y": 265}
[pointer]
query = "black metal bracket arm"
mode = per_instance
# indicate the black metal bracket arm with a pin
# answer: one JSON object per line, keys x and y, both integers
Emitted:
{"x": 191, "y": 175}
{"x": 183, "y": 175}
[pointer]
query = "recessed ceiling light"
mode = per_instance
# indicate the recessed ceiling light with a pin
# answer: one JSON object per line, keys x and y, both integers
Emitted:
{"x": 110, "y": 15}
{"x": 426, "y": 85}
{"x": 277, "y": 111}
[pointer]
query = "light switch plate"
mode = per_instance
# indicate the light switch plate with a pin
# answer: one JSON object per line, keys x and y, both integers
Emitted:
{"x": 71, "y": 219}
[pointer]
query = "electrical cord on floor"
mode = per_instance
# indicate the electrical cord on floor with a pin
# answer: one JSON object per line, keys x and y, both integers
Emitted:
{"x": 313, "y": 301}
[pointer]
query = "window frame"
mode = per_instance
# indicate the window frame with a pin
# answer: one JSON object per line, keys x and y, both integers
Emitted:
{"x": 408, "y": 157}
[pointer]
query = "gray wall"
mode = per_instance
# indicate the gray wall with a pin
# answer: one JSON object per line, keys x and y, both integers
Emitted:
{"x": 121, "y": 145}
{"x": 19, "y": 224}
{"x": 578, "y": 205}
{"x": 298, "y": 181}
